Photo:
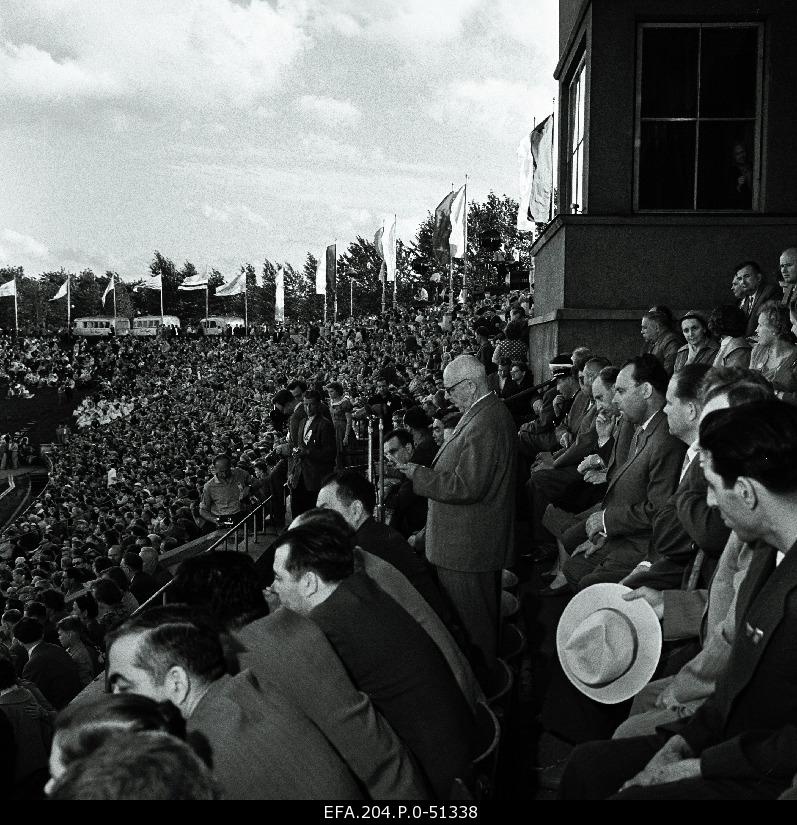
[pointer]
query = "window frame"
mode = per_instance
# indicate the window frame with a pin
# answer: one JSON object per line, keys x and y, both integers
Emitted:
{"x": 757, "y": 121}
{"x": 578, "y": 77}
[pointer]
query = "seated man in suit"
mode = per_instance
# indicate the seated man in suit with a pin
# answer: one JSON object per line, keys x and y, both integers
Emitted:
{"x": 522, "y": 380}
{"x": 619, "y": 532}
{"x": 288, "y": 653}
{"x": 691, "y": 611}
{"x": 501, "y": 382}
{"x": 659, "y": 339}
{"x": 263, "y": 747}
{"x": 407, "y": 510}
{"x": 740, "y": 744}
{"x": 539, "y": 435}
{"x": 753, "y": 292}
{"x": 49, "y": 666}
{"x": 554, "y": 477}
{"x": 386, "y": 652}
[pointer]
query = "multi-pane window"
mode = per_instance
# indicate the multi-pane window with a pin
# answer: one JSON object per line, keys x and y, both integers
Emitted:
{"x": 576, "y": 110}
{"x": 698, "y": 117}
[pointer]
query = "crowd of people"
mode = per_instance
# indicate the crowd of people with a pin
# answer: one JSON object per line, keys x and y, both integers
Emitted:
{"x": 659, "y": 487}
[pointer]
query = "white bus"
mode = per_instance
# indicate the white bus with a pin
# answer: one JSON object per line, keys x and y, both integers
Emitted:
{"x": 216, "y": 324}
{"x": 100, "y": 326}
{"x": 151, "y": 324}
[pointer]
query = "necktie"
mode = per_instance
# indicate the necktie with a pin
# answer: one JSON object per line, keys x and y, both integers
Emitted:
{"x": 634, "y": 448}
{"x": 685, "y": 466}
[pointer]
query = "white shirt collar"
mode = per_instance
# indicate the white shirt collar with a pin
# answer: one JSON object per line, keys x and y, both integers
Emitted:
{"x": 645, "y": 425}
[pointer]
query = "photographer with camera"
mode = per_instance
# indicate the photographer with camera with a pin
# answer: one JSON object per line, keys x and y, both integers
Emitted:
{"x": 223, "y": 495}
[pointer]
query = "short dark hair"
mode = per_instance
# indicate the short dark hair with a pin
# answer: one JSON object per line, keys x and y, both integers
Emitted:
{"x": 328, "y": 553}
{"x": 353, "y": 486}
{"x": 101, "y": 563}
{"x": 70, "y": 624}
{"x": 139, "y": 766}
{"x": 521, "y": 365}
{"x": 28, "y": 631}
{"x": 598, "y": 362}
{"x": 647, "y": 369}
{"x": 757, "y": 441}
{"x": 226, "y": 584}
{"x": 404, "y": 437}
{"x": 579, "y": 357}
{"x": 608, "y": 375}
{"x": 83, "y": 726}
{"x": 133, "y": 561}
{"x": 727, "y": 319}
{"x": 742, "y": 386}
{"x": 297, "y": 384}
{"x": 86, "y": 602}
{"x": 106, "y": 592}
{"x": 53, "y": 599}
{"x": 175, "y": 635}
{"x": 117, "y": 576}
{"x": 689, "y": 382}
{"x": 222, "y": 457}
{"x": 754, "y": 265}
{"x": 312, "y": 395}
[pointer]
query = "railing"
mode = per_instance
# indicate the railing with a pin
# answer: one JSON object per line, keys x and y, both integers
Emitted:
{"x": 242, "y": 528}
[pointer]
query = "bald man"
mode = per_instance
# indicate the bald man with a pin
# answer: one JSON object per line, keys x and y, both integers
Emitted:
{"x": 471, "y": 492}
{"x": 788, "y": 273}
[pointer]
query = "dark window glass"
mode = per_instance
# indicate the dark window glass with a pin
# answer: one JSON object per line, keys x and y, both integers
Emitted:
{"x": 669, "y": 72}
{"x": 725, "y": 166}
{"x": 667, "y": 165}
{"x": 728, "y": 72}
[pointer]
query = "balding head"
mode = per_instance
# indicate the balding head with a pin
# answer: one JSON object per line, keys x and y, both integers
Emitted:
{"x": 788, "y": 265}
{"x": 465, "y": 380}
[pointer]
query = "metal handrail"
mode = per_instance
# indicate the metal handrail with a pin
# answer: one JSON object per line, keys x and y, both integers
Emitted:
{"x": 241, "y": 525}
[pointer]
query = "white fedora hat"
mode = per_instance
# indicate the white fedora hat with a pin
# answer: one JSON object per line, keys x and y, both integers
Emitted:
{"x": 609, "y": 648}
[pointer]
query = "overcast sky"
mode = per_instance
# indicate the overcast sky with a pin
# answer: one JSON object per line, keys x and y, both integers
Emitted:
{"x": 225, "y": 132}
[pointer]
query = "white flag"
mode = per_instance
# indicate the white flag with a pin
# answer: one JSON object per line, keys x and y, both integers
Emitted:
{"x": 237, "y": 286}
{"x": 321, "y": 274}
{"x": 456, "y": 241}
{"x": 279, "y": 301}
{"x": 194, "y": 282}
{"x": 109, "y": 288}
{"x": 9, "y": 290}
{"x": 62, "y": 290}
{"x": 389, "y": 248}
{"x": 150, "y": 283}
{"x": 535, "y": 154}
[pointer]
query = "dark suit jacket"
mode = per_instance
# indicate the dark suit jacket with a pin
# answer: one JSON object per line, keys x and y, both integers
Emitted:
{"x": 585, "y": 443}
{"x": 638, "y": 488}
{"x": 289, "y": 653}
{"x": 386, "y": 543}
{"x": 142, "y": 586}
{"x": 746, "y": 729}
{"x": 321, "y": 449}
{"x": 673, "y": 545}
{"x": 264, "y": 747}
{"x": 666, "y": 349}
{"x": 54, "y": 672}
{"x": 471, "y": 491}
{"x": 391, "y": 658}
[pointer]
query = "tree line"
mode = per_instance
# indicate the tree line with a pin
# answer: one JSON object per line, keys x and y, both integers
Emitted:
{"x": 418, "y": 265}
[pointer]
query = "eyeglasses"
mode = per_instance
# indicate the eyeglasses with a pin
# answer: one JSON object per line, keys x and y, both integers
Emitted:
{"x": 448, "y": 390}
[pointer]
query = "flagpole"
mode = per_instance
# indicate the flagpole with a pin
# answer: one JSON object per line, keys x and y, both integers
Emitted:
{"x": 16, "y": 314}
{"x": 450, "y": 279}
{"x": 351, "y": 297}
{"x": 161, "y": 291}
{"x": 68, "y": 301}
{"x": 114, "y": 302}
{"x": 207, "y": 289}
{"x": 335, "y": 290}
{"x": 395, "y": 261}
{"x": 246, "y": 310}
{"x": 383, "y": 273}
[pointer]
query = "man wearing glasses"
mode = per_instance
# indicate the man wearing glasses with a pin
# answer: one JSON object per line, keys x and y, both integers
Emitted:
{"x": 471, "y": 492}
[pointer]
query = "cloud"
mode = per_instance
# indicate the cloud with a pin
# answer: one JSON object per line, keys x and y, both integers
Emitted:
{"x": 16, "y": 244}
{"x": 214, "y": 214}
{"x": 184, "y": 55}
{"x": 227, "y": 212}
{"x": 501, "y": 107}
{"x": 329, "y": 110}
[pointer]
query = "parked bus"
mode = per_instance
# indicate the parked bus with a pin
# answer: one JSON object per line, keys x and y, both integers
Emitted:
{"x": 100, "y": 326}
{"x": 216, "y": 324}
{"x": 151, "y": 324}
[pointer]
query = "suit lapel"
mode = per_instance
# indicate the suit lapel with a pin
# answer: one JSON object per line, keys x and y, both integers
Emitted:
{"x": 644, "y": 437}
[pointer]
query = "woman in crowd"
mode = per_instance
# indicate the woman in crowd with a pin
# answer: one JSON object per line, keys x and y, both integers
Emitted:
{"x": 729, "y": 324}
{"x": 774, "y": 340}
{"x": 700, "y": 347}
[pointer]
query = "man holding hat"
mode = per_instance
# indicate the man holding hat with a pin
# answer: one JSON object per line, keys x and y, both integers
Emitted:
{"x": 742, "y": 742}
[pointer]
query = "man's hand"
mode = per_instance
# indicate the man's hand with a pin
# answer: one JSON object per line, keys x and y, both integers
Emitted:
{"x": 674, "y": 762}
{"x": 591, "y": 462}
{"x": 604, "y": 425}
{"x": 594, "y": 524}
{"x": 653, "y": 597}
{"x": 566, "y": 440}
{"x": 408, "y": 469}
{"x": 595, "y": 476}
